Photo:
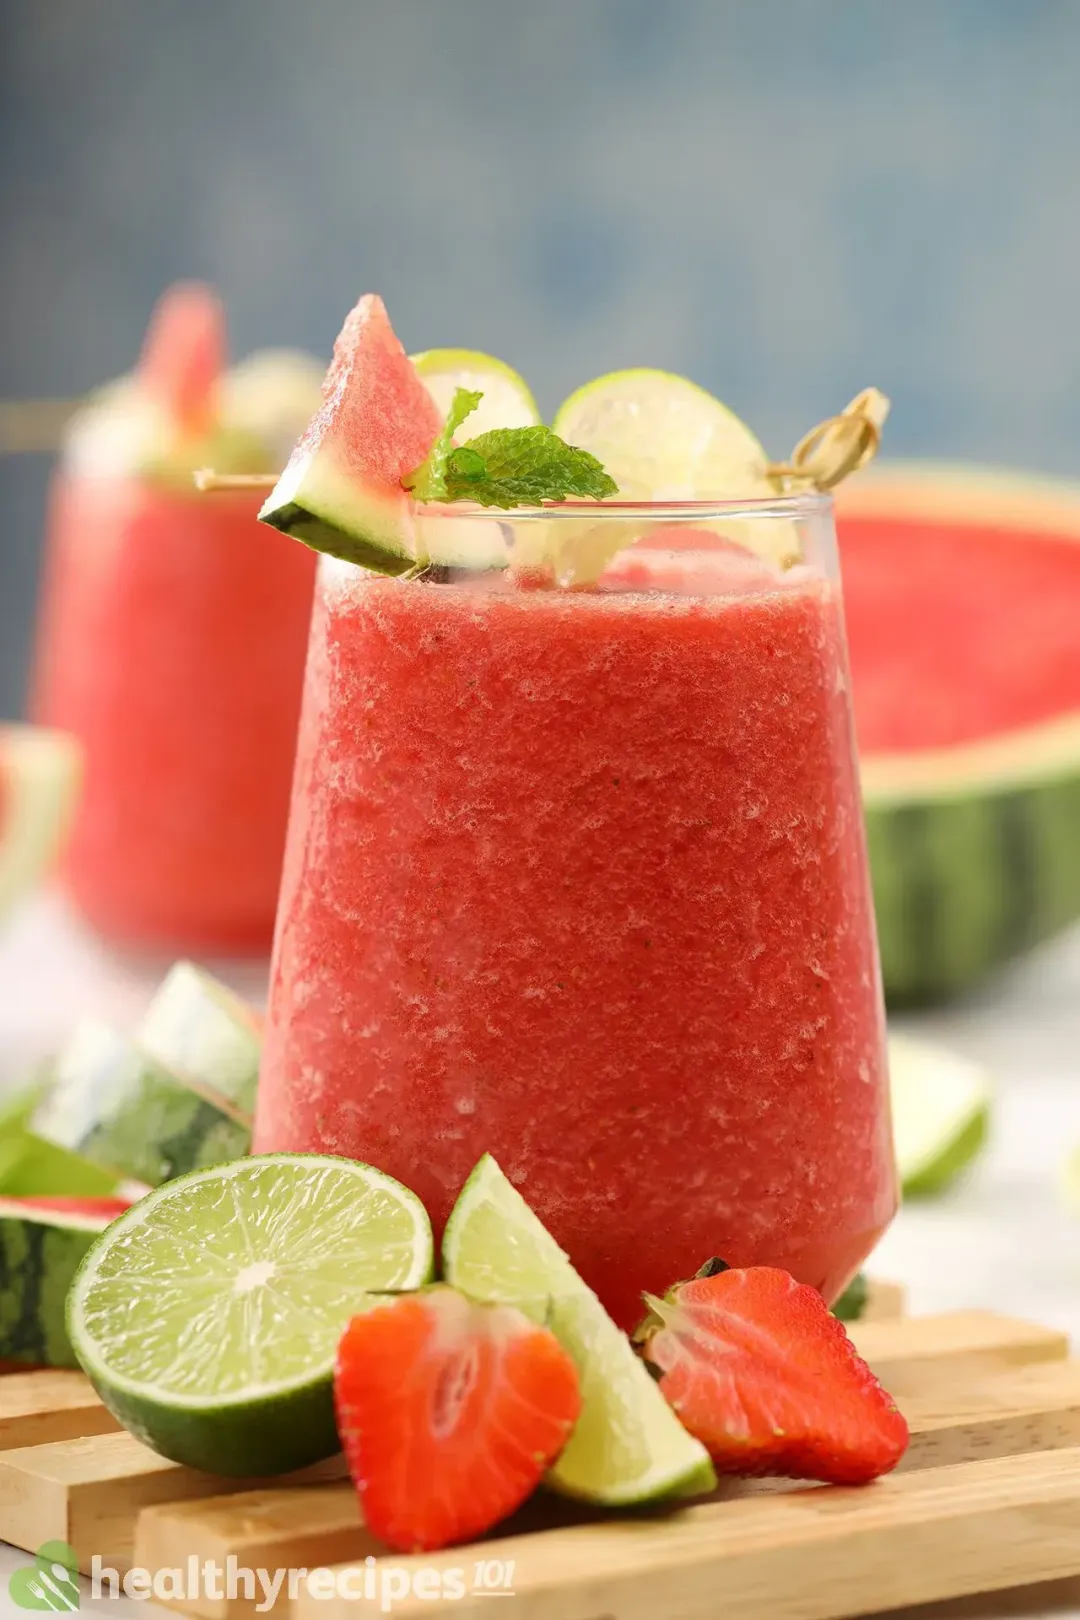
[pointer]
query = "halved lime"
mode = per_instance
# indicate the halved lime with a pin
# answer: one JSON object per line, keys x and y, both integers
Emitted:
{"x": 208, "y": 1317}
{"x": 507, "y": 401}
{"x": 941, "y": 1113}
{"x": 628, "y": 1445}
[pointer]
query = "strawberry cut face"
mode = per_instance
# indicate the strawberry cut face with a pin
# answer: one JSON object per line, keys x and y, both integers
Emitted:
{"x": 762, "y": 1373}
{"x": 449, "y": 1413}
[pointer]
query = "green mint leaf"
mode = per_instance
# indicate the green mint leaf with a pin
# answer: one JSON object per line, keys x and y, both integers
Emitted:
{"x": 429, "y": 481}
{"x": 523, "y": 467}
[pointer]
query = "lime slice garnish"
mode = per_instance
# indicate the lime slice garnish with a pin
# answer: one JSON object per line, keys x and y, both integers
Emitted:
{"x": 208, "y": 1317}
{"x": 941, "y": 1113}
{"x": 628, "y": 1445}
{"x": 507, "y": 401}
{"x": 662, "y": 438}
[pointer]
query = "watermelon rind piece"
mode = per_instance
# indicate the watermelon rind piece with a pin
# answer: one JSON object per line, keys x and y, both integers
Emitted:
{"x": 205, "y": 1033}
{"x": 40, "y": 772}
{"x": 973, "y": 848}
{"x": 40, "y": 1252}
{"x": 114, "y": 1104}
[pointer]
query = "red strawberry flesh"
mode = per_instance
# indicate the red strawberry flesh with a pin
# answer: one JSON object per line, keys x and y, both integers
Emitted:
{"x": 450, "y": 1412}
{"x": 763, "y": 1374}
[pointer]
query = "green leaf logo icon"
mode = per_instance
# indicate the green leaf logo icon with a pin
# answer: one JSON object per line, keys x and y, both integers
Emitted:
{"x": 51, "y": 1582}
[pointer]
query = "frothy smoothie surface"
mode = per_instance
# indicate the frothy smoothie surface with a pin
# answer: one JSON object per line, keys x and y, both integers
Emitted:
{"x": 578, "y": 877}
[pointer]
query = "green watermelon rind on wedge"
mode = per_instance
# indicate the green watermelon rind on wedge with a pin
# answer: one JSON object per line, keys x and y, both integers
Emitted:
{"x": 41, "y": 1249}
{"x": 341, "y": 492}
{"x": 112, "y": 1103}
{"x": 204, "y": 1033}
{"x": 973, "y": 848}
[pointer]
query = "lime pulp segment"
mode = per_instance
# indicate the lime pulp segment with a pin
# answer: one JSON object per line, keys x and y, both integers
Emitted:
{"x": 628, "y": 1445}
{"x": 208, "y": 1316}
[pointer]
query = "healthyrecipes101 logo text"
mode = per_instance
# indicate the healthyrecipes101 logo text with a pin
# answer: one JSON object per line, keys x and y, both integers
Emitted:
{"x": 51, "y": 1582}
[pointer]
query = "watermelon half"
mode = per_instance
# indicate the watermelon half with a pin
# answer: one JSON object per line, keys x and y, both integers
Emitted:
{"x": 39, "y": 782}
{"x": 341, "y": 491}
{"x": 962, "y": 592}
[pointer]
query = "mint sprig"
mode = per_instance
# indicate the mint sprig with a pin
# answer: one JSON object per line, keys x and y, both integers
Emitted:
{"x": 506, "y": 467}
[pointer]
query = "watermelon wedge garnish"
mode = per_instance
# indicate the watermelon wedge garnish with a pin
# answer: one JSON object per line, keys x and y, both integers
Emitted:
{"x": 184, "y": 355}
{"x": 341, "y": 491}
{"x": 39, "y": 780}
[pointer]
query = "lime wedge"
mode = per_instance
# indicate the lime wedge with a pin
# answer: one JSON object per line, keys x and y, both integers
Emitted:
{"x": 628, "y": 1445}
{"x": 507, "y": 402}
{"x": 39, "y": 783}
{"x": 32, "y": 1167}
{"x": 941, "y": 1113}
{"x": 208, "y": 1317}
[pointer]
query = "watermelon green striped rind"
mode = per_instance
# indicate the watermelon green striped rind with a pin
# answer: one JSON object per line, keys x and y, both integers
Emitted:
{"x": 974, "y": 849}
{"x": 205, "y": 1033}
{"x": 41, "y": 1249}
{"x": 114, "y": 1104}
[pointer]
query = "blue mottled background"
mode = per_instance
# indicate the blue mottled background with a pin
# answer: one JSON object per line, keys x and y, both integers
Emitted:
{"x": 785, "y": 199}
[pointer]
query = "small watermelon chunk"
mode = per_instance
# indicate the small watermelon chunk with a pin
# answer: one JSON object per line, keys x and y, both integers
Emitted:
{"x": 39, "y": 781}
{"x": 184, "y": 355}
{"x": 42, "y": 1244}
{"x": 341, "y": 492}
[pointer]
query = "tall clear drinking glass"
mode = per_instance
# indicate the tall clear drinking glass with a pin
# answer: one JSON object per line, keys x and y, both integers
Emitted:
{"x": 576, "y": 876}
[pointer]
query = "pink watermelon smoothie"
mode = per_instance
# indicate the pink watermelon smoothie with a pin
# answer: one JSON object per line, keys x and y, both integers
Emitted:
{"x": 172, "y": 644}
{"x": 578, "y": 878}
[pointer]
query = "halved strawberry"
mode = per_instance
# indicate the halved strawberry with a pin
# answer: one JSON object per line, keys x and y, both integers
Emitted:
{"x": 449, "y": 1412}
{"x": 763, "y": 1374}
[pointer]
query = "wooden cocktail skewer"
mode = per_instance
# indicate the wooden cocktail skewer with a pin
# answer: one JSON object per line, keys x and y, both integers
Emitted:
{"x": 211, "y": 482}
{"x": 823, "y": 458}
{"x": 34, "y": 427}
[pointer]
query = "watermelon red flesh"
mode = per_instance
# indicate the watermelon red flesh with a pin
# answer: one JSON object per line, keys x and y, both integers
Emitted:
{"x": 184, "y": 355}
{"x": 376, "y": 411}
{"x": 958, "y": 631}
{"x": 99, "y": 1209}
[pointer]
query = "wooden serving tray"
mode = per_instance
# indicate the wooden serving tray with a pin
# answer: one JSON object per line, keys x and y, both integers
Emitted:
{"x": 987, "y": 1498}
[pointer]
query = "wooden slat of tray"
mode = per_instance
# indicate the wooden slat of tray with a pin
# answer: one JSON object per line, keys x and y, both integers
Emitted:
{"x": 1037, "y": 1407}
{"x": 822, "y": 1554}
{"x": 923, "y": 1352}
{"x": 40, "y": 1406}
{"x": 89, "y": 1492}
